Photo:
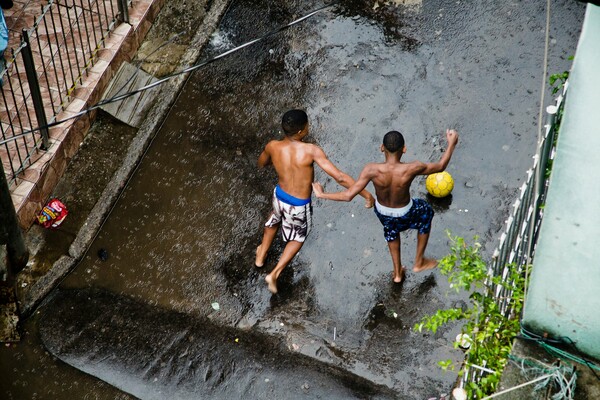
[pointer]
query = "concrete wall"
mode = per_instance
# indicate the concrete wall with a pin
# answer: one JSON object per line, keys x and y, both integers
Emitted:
{"x": 564, "y": 295}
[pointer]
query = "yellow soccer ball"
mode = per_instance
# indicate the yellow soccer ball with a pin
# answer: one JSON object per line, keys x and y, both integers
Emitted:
{"x": 439, "y": 184}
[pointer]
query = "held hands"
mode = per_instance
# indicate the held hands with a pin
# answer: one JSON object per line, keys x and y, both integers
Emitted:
{"x": 318, "y": 189}
{"x": 452, "y": 136}
{"x": 370, "y": 201}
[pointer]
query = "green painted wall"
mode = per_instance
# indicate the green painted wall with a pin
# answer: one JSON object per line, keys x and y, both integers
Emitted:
{"x": 564, "y": 292}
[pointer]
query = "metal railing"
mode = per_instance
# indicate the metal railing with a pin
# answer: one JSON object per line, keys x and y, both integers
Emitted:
{"x": 517, "y": 243}
{"x": 43, "y": 72}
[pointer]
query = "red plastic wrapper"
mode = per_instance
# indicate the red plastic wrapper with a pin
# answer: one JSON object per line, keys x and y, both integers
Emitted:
{"x": 53, "y": 214}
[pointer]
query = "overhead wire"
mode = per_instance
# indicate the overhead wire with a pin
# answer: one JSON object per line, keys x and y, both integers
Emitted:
{"x": 119, "y": 97}
{"x": 551, "y": 345}
{"x": 538, "y": 172}
{"x": 192, "y": 68}
{"x": 138, "y": 63}
{"x": 122, "y": 96}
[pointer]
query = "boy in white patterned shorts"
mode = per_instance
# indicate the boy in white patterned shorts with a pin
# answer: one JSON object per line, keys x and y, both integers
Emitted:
{"x": 292, "y": 209}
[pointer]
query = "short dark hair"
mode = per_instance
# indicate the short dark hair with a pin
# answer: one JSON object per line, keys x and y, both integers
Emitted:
{"x": 293, "y": 121}
{"x": 393, "y": 141}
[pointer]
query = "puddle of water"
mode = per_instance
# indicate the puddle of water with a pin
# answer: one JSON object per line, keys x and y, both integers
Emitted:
{"x": 156, "y": 354}
{"x": 30, "y": 372}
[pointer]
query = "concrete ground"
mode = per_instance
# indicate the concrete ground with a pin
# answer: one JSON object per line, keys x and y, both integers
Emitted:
{"x": 326, "y": 299}
{"x": 106, "y": 160}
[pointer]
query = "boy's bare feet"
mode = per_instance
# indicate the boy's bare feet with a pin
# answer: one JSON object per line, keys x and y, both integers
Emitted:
{"x": 272, "y": 286}
{"x": 428, "y": 263}
{"x": 260, "y": 258}
{"x": 402, "y": 275}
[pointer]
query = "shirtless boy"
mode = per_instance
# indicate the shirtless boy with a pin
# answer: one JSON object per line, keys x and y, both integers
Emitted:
{"x": 394, "y": 207}
{"x": 292, "y": 209}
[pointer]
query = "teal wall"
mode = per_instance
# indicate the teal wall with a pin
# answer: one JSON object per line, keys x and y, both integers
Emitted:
{"x": 564, "y": 291}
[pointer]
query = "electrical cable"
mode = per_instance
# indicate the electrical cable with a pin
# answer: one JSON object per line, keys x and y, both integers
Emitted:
{"x": 541, "y": 378}
{"x": 549, "y": 344}
{"x": 139, "y": 63}
{"x": 538, "y": 169}
{"x": 192, "y": 68}
{"x": 528, "y": 335}
{"x": 564, "y": 376}
{"x": 581, "y": 358}
{"x": 132, "y": 173}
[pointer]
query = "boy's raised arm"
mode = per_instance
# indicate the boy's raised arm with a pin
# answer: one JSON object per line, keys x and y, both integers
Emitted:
{"x": 431, "y": 168}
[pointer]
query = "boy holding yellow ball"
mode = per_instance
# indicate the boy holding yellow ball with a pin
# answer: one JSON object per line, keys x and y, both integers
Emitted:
{"x": 394, "y": 207}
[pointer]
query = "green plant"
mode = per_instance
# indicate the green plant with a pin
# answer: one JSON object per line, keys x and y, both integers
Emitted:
{"x": 489, "y": 328}
{"x": 557, "y": 81}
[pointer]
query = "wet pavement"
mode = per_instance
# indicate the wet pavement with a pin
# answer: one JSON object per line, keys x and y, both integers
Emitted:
{"x": 180, "y": 241}
{"x": 157, "y": 354}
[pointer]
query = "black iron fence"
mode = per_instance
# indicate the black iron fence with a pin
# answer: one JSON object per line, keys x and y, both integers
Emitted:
{"x": 42, "y": 72}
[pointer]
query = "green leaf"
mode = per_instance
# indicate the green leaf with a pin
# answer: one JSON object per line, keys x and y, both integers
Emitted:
{"x": 446, "y": 365}
{"x": 491, "y": 332}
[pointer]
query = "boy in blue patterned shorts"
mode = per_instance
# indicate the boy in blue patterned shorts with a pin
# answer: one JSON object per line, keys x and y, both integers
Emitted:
{"x": 394, "y": 207}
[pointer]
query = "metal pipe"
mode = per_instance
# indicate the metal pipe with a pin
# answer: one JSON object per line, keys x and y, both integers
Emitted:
{"x": 71, "y": 25}
{"x": 4, "y": 135}
{"x": 20, "y": 87}
{"x": 16, "y": 250}
{"x": 54, "y": 67}
{"x": 123, "y": 11}
{"x": 18, "y": 118}
{"x": 81, "y": 44}
{"x": 70, "y": 85}
{"x": 100, "y": 23}
{"x": 106, "y": 15}
{"x": 87, "y": 33}
{"x": 45, "y": 72}
{"x": 62, "y": 66}
{"x": 34, "y": 86}
{"x": 112, "y": 9}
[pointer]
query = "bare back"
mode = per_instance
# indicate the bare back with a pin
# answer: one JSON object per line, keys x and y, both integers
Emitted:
{"x": 392, "y": 181}
{"x": 392, "y": 178}
{"x": 293, "y": 160}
